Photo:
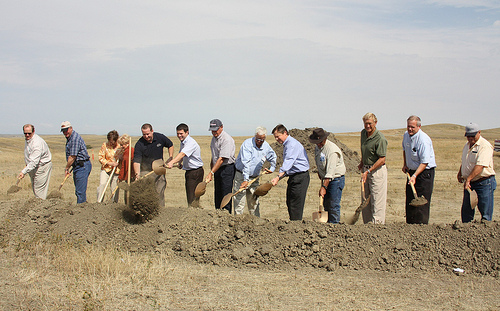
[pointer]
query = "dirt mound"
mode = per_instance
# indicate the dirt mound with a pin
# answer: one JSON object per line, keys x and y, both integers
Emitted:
{"x": 215, "y": 237}
{"x": 351, "y": 158}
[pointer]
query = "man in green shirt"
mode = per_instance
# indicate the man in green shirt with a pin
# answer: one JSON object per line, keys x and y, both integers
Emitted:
{"x": 374, "y": 171}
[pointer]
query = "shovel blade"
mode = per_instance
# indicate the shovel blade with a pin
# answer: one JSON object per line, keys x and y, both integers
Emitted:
{"x": 158, "y": 167}
{"x": 263, "y": 189}
{"x": 320, "y": 216}
{"x": 13, "y": 189}
{"x": 56, "y": 194}
{"x": 226, "y": 199}
{"x": 473, "y": 198}
{"x": 418, "y": 201}
{"x": 200, "y": 189}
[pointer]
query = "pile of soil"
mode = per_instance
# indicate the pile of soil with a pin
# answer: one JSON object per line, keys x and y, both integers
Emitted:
{"x": 144, "y": 199}
{"x": 351, "y": 158}
{"x": 217, "y": 238}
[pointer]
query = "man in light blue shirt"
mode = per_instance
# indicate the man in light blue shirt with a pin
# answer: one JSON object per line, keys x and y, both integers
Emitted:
{"x": 253, "y": 153}
{"x": 296, "y": 167}
{"x": 419, "y": 162}
{"x": 190, "y": 154}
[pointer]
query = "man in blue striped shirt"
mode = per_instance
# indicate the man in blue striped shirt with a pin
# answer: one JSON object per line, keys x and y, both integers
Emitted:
{"x": 78, "y": 158}
{"x": 296, "y": 167}
{"x": 253, "y": 153}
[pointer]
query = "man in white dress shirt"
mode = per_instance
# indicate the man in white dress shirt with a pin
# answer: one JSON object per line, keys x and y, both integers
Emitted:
{"x": 38, "y": 162}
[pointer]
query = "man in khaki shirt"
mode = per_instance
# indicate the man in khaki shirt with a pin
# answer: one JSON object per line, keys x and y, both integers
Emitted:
{"x": 476, "y": 172}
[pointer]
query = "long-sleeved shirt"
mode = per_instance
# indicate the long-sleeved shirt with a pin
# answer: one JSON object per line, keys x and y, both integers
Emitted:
{"x": 295, "y": 158}
{"x": 192, "y": 159}
{"x": 107, "y": 154}
{"x": 222, "y": 146}
{"x": 36, "y": 153}
{"x": 330, "y": 161}
{"x": 418, "y": 149}
{"x": 251, "y": 158}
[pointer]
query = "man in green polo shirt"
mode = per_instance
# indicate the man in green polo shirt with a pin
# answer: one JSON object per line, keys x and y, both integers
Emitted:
{"x": 374, "y": 171}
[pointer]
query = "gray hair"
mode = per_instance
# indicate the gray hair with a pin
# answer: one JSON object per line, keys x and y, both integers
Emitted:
{"x": 415, "y": 118}
{"x": 260, "y": 130}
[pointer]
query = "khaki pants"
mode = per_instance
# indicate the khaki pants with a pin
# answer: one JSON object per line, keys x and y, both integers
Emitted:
{"x": 103, "y": 179}
{"x": 246, "y": 196}
{"x": 376, "y": 186}
{"x": 40, "y": 178}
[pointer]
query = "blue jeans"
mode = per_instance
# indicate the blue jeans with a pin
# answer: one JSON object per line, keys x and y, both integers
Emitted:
{"x": 80, "y": 178}
{"x": 332, "y": 198}
{"x": 484, "y": 190}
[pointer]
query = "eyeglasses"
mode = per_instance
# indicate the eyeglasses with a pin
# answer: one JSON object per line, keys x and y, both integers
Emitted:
{"x": 28, "y": 133}
{"x": 260, "y": 140}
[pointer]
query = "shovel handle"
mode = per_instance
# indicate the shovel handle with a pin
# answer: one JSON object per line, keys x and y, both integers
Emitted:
{"x": 321, "y": 200}
{"x": 65, "y": 178}
{"x": 412, "y": 186}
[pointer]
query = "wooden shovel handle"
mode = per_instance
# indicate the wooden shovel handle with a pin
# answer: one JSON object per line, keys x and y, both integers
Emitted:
{"x": 321, "y": 200}
{"x": 66, "y": 177}
{"x": 412, "y": 185}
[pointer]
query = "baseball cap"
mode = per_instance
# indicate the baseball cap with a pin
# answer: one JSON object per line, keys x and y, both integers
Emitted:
{"x": 471, "y": 129}
{"x": 65, "y": 125}
{"x": 214, "y": 125}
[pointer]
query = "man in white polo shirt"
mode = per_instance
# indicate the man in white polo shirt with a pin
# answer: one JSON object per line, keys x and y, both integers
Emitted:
{"x": 190, "y": 155}
{"x": 476, "y": 172}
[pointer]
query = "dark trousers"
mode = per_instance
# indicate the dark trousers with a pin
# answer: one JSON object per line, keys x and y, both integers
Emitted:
{"x": 424, "y": 185}
{"x": 223, "y": 184}
{"x": 192, "y": 179}
{"x": 296, "y": 194}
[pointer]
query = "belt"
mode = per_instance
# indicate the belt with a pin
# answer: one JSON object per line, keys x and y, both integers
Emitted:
{"x": 297, "y": 173}
{"x": 482, "y": 179}
{"x": 239, "y": 171}
{"x": 370, "y": 166}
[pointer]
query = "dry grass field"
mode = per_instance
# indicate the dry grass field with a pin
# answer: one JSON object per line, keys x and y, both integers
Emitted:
{"x": 53, "y": 273}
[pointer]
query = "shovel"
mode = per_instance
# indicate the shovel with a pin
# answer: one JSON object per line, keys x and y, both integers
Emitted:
{"x": 107, "y": 184}
{"x": 14, "y": 188}
{"x": 416, "y": 201}
{"x": 159, "y": 167}
{"x": 364, "y": 203}
{"x": 57, "y": 193}
{"x": 264, "y": 188}
{"x": 126, "y": 187}
{"x": 201, "y": 188}
{"x": 472, "y": 197}
{"x": 321, "y": 215}
{"x": 229, "y": 196}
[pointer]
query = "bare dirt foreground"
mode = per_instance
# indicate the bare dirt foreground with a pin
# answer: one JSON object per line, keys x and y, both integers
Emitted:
{"x": 57, "y": 255}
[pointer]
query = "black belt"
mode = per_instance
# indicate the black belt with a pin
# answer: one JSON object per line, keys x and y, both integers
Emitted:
{"x": 482, "y": 179}
{"x": 298, "y": 173}
{"x": 80, "y": 163}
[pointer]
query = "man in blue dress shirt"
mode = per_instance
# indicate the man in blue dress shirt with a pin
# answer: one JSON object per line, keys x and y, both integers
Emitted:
{"x": 419, "y": 162}
{"x": 253, "y": 154}
{"x": 296, "y": 167}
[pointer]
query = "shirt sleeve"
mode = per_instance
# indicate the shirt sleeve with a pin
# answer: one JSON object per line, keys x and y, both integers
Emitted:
{"x": 331, "y": 164}
{"x": 291, "y": 154}
{"x": 382, "y": 147}
{"x": 34, "y": 158}
{"x": 484, "y": 155}
{"x": 138, "y": 152}
{"x": 271, "y": 158}
{"x": 225, "y": 150}
{"x": 246, "y": 159}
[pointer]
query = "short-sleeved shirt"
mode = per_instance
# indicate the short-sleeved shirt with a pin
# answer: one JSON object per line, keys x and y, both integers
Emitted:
{"x": 145, "y": 153}
{"x": 295, "y": 158}
{"x": 223, "y": 146}
{"x": 373, "y": 147}
{"x": 75, "y": 146}
{"x": 191, "y": 149}
{"x": 418, "y": 149}
{"x": 481, "y": 153}
{"x": 330, "y": 161}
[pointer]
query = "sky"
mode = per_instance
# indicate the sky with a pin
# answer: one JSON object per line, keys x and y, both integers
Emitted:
{"x": 105, "y": 65}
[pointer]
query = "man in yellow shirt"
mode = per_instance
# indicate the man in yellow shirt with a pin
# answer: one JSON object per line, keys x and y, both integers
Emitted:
{"x": 476, "y": 172}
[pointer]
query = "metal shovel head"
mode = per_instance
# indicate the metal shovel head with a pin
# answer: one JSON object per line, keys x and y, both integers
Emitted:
{"x": 418, "y": 201}
{"x": 320, "y": 216}
{"x": 200, "y": 189}
{"x": 355, "y": 217}
{"x": 13, "y": 189}
{"x": 263, "y": 189}
{"x": 159, "y": 167}
{"x": 226, "y": 199}
{"x": 472, "y": 198}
